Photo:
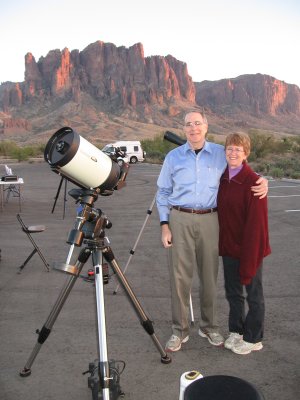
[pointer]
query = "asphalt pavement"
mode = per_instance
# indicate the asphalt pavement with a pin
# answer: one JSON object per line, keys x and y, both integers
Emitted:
{"x": 27, "y": 299}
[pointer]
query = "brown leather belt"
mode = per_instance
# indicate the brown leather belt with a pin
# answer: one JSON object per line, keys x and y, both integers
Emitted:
{"x": 193, "y": 211}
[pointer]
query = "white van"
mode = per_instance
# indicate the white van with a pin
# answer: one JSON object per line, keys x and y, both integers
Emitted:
{"x": 132, "y": 149}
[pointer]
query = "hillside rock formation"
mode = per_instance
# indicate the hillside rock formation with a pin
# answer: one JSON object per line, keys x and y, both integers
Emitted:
{"x": 115, "y": 92}
{"x": 117, "y": 76}
{"x": 255, "y": 93}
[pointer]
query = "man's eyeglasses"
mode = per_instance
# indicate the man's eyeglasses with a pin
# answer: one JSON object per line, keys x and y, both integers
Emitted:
{"x": 232, "y": 149}
{"x": 195, "y": 123}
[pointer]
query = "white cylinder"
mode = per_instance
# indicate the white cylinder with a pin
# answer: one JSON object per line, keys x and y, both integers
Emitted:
{"x": 84, "y": 164}
{"x": 186, "y": 379}
{"x": 90, "y": 166}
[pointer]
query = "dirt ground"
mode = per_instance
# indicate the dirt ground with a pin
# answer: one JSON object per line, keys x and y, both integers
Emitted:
{"x": 26, "y": 299}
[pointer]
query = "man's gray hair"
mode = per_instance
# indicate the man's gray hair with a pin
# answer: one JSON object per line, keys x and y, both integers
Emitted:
{"x": 197, "y": 111}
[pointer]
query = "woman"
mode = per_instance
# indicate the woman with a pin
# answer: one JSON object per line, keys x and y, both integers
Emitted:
{"x": 243, "y": 243}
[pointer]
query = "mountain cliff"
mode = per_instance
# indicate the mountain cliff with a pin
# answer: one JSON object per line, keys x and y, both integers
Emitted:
{"x": 258, "y": 94}
{"x": 109, "y": 92}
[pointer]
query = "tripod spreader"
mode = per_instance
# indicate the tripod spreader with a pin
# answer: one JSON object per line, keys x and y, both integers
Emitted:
{"x": 145, "y": 321}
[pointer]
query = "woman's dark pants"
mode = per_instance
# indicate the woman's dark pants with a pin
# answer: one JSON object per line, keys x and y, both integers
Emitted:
{"x": 249, "y": 324}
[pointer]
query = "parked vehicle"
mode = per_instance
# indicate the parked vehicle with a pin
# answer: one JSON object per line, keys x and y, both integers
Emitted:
{"x": 117, "y": 154}
{"x": 132, "y": 149}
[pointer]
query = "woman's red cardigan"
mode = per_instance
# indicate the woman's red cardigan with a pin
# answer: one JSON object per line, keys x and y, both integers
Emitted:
{"x": 243, "y": 220}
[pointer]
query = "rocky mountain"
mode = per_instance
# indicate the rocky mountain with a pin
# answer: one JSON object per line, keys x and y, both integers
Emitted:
{"x": 258, "y": 94}
{"x": 107, "y": 92}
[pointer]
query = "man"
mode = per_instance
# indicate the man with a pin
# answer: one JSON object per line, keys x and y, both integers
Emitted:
{"x": 187, "y": 204}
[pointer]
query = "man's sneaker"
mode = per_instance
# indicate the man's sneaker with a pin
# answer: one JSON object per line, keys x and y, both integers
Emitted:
{"x": 174, "y": 343}
{"x": 214, "y": 338}
{"x": 246, "y": 347}
{"x": 232, "y": 340}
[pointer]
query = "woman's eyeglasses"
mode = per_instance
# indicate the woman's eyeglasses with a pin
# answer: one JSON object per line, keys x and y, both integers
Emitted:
{"x": 232, "y": 149}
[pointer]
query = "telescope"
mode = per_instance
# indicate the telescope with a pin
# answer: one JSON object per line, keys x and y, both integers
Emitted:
{"x": 82, "y": 163}
{"x": 73, "y": 157}
{"x": 173, "y": 138}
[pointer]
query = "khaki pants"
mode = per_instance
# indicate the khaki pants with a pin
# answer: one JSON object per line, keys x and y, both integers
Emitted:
{"x": 195, "y": 247}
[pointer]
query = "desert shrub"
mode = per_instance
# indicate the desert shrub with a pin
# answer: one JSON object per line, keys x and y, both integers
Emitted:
{"x": 295, "y": 174}
{"x": 295, "y": 144}
{"x": 290, "y": 166}
{"x": 269, "y": 156}
{"x": 12, "y": 150}
{"x": 261, "y": 144}
{"x": 40, "y": 148}
{"x": 282, "y": 146}
{"x": 264, "y": 144}
{"x": 277, "y": 172}
{"x": 292, "y": 163}
{"x": 155, "y": 156}
{"x": 215, "y": 139}
{"x": 157, "y": 147}
{"x": 211, "y": 138}
{"x": 7, "y": 148}
{"x": 261, "y": 167}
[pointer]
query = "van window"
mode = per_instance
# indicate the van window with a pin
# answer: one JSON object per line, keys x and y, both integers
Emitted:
{"x": 135, "y": 148}
{"x": 108, "y": 149}
{"x": 123, "y": 148}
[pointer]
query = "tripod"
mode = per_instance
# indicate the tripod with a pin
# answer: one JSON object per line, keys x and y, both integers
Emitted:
{"x": 57, "y": 195}
{"x": 89, "y": 229}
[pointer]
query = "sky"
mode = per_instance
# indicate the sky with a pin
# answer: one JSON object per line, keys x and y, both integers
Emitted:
{"x": 217, "y": 39}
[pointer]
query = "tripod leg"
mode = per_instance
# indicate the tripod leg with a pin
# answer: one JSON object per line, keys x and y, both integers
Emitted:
{"x": 149, "y": 212}
{"x": 57, "y": 194}
{"x": 65, "y": 199}
{"x": 146, "y": 323}
{"x": 46, "y": 329}
{"x": 102, "y": 342}
{"x": 192, "y": 310}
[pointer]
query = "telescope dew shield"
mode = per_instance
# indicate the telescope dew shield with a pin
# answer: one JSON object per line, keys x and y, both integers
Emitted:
{"x": 74, "y": 157}
{"x": 173, "y": 138}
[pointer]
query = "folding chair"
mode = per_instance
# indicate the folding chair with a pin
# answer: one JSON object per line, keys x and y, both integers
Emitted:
{"x": 29, "y": 230}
